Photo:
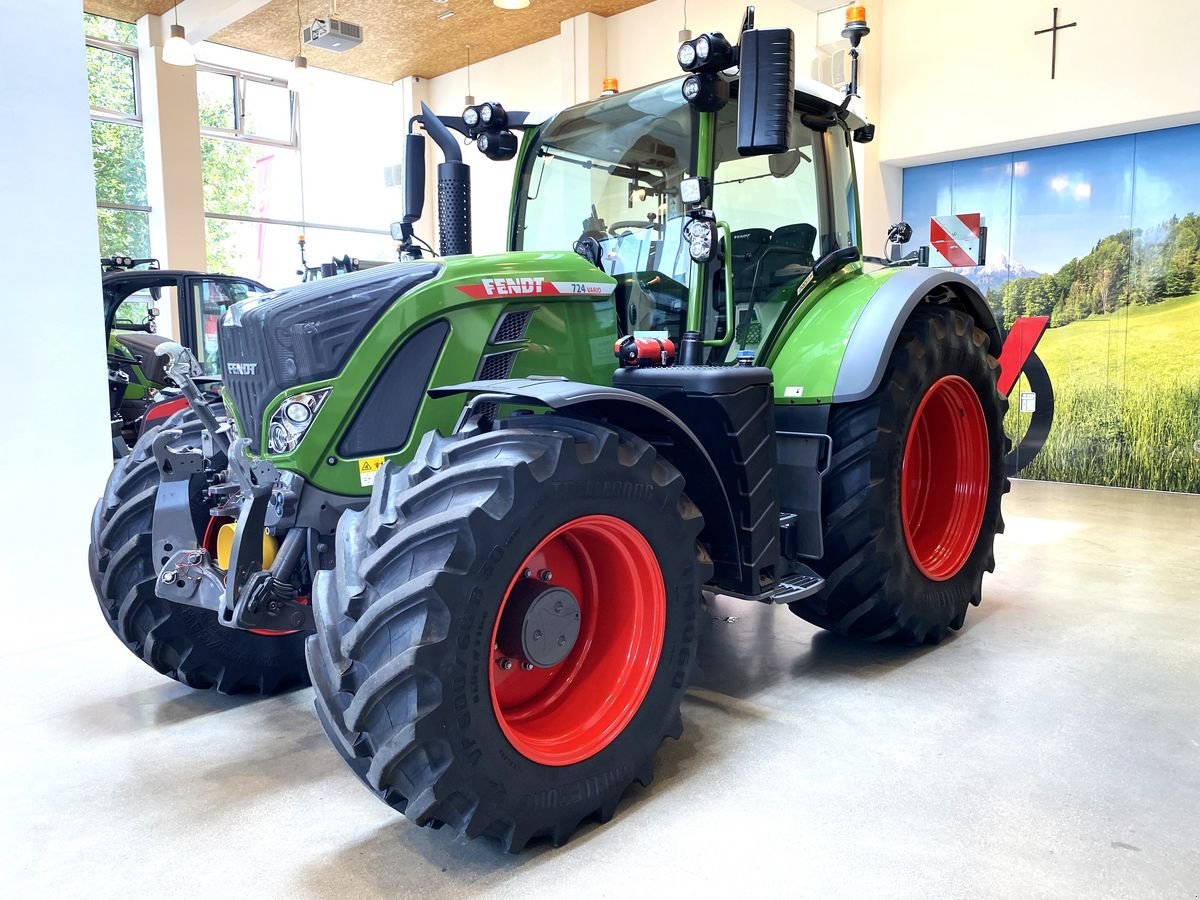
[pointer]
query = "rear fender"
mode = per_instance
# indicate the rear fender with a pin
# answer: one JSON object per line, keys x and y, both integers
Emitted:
{"x": 875, "y": 333}
{"x": 651, "y": 421}
{"x": 839, "y": 346}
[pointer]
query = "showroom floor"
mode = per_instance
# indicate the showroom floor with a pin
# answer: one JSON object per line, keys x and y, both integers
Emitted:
{"x": 1052, "y": 748}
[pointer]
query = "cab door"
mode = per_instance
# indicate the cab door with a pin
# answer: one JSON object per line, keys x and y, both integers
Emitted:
{"x": 203, "y": 299}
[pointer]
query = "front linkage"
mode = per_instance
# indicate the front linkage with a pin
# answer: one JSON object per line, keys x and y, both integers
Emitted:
{"x": 258, "y": 587}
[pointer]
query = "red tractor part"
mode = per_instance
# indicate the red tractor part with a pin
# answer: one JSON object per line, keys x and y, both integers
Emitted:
{"x": 1019, "y": 344}
{"x": 577, "y": 640}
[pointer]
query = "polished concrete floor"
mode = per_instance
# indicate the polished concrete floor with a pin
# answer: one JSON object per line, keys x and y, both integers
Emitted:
{"x": 1051, "y": 748}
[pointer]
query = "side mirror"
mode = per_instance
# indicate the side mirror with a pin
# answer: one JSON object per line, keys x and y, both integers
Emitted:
{"x": 414, "y": 179}
{"x": 765, "y": 95}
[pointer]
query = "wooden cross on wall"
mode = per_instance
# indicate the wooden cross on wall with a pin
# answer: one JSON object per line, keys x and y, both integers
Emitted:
{"x": 1054, "y": 30}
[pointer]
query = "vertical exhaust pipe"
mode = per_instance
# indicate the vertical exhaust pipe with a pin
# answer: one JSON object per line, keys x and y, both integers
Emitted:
{"x": 454, "y": 189}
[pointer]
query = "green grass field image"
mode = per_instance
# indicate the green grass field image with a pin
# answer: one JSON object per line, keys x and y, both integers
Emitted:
{"x": 1127, "y": 399}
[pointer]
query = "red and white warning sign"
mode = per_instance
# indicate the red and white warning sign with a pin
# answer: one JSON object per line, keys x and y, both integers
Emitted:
{"x": 956, "y": 240}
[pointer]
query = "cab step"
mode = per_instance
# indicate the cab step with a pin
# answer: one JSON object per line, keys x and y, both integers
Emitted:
{"x": 797, "y": 586}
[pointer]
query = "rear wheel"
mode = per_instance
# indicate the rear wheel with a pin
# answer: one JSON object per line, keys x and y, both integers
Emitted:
{"x": 912, "y": 496}
{"x": 510, "y": 627}
{"x": 186, "y": 643}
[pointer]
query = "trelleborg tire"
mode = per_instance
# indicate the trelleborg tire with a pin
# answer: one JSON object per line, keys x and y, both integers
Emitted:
{"x": 183, "y": 642}
{"x": 912, "y": 496}
{"x": 422, "y": 682}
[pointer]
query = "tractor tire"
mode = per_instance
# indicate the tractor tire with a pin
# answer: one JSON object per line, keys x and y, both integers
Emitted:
{"x": 912, "y": 497}
{"x": 417, "y": 684}
{"x": 182, "y": 642}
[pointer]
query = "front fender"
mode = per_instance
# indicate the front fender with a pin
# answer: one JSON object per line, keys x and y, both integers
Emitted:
{"x": 651, "y": 421}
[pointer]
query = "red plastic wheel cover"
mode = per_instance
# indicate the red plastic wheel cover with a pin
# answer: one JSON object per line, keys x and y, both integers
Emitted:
{"x": 944, "y": 478}
{"x": 570, "y": 712}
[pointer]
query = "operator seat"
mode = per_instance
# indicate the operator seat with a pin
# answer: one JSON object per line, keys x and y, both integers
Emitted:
{"x": 789, "y": 255}
{"x": 748, "y": 247}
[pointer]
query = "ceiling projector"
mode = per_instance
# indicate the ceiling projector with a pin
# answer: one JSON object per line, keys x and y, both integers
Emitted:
{"x": 333, "y": 34}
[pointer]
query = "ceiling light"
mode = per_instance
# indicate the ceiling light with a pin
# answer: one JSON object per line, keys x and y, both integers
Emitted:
{"x": 511, "y": 4}
{"x": 177, "y": 51}
{"x": 301, "y": 77}
{"x": 445, "y": 14}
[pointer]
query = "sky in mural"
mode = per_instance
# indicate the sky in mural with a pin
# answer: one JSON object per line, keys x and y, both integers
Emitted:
{"x": 1064, "y": 198}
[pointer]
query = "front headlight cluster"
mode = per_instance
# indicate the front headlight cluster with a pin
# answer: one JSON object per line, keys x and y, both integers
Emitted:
{"x": 292, "y": 420}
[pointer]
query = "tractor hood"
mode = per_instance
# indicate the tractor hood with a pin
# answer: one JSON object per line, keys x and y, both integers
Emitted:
{"x": 303, "y": 333}
{"x": 307, "y": 334}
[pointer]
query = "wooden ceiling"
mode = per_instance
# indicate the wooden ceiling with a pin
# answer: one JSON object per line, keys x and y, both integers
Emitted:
{"x": 401, "y": 37}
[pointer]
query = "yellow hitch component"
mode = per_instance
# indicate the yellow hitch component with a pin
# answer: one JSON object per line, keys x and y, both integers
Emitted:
{"x": 225, "y": 546}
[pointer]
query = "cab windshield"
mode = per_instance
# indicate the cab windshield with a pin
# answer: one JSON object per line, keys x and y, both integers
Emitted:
{"x": 611, "y": 171}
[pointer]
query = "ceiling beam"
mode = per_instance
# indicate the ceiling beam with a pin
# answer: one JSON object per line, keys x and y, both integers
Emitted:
{"x": 204, "y": 18}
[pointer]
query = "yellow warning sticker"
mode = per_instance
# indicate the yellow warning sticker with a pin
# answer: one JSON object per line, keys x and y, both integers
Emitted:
{"x": 367, "y": 469}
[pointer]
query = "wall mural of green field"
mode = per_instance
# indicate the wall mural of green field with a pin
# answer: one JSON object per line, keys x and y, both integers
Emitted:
{"x": 1104, "y": 238}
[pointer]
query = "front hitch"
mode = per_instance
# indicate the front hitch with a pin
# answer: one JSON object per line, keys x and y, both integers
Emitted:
{"x": 180, "y": 368}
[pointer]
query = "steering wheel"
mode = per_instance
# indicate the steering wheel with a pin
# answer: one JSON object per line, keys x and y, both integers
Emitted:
{"x": 628, "y": 225}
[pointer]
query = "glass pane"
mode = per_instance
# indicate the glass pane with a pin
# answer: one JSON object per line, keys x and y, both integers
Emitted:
{"x": 271, "y": 253}
{"x": 111, "y": 81}
{"x": 134, "y": 311}
{"x": 244, "y": 179}
{"x": 119, "y": 163}
{"x": 109, "y": 29}
{"x": 612, "y": 172}
{"x": 124, "y": 233}
{"x": 212, "y": 298}
{"x": 214, "y": 92}
{"x": 267, "y": 111}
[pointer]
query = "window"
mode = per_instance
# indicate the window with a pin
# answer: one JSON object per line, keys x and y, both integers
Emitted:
{"x": 118, "y": 154}
{"x": 612, "y": 172}
{"x": 211, "y": 297}
{"x": 253, "y": 203}
{"x": 242, "y": 106}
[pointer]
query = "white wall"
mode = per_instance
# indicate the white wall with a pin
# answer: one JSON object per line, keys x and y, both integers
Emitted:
{"x": 967, "y": 79}
{"x": 54, "y": 446}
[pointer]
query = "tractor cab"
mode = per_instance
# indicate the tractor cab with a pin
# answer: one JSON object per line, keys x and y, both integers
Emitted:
{"x": 616, "y": 167}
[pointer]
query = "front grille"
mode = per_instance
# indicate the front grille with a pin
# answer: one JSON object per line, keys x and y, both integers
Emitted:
{"x": 496, "y": 365}
{"x": 510, "y": 327}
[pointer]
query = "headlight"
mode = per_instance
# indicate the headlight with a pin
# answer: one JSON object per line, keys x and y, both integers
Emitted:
{"x": 691, "y": 87}
{"x": 471, "y": 116}
{"x": 701, "y": 235}
{"x": 687, "y": 55}
{"x": 702, "y": 49}
{"x": 485, "y": 114}
{"x": 291, "y": 421}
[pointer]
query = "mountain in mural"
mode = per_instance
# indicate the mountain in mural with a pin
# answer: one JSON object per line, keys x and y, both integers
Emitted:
{"x": 998, "y": 271}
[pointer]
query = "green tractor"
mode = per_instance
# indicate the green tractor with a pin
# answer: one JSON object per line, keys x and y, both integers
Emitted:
{"x": 492, "y": 538}
{"x": 133, "y": 290}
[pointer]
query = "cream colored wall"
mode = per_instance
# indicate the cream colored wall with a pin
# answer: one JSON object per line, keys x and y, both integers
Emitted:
{"x": 965, "y": 79}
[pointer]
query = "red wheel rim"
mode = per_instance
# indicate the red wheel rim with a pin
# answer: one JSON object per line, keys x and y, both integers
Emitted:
{"x": 944, "y": 480}
{"x": 569, "y": 712}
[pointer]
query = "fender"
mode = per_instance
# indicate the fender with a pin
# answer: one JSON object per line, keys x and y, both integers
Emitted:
{"x": 652, "y": 422}
{"x": 874, "y": 335}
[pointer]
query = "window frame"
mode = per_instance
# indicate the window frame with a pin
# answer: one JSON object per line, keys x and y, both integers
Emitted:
{"x": 238, "y": 132}
{"x": 114, "y": 115}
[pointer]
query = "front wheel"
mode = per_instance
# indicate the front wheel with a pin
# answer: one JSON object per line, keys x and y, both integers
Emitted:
{"x": 912, "y": 496}
{"x": 511, "y": 625}
{"x": 186, "y": 643}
